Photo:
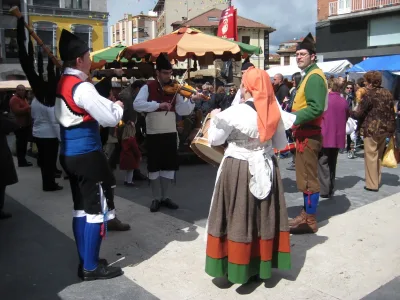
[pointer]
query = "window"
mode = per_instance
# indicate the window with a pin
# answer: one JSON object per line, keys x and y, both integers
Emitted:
{"x": 52, "y": 3}
{"x": 246, "y": 39}
{"x": 286, "y": 60}
{"x": 10, "y": 37}
{"x": 84, "y": 32}
{"x": 77, "y": 4}
{"x": 7, "y": 4}
{"x": 213, "y": 19}
{"x": 384, "y": 31}
{"x": 47, "y": 33}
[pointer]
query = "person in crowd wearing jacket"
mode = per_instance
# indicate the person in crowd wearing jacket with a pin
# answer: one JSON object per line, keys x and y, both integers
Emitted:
{"x": 333, "y": 129}
{"x": 130, "y": 156}
{"x": 377, "y": 111}
{"x": 296, "y": 78}
{"x": 8, "y": 174}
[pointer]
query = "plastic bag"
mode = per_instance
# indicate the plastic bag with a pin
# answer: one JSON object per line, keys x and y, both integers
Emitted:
{"x": 389, "y": 158}
{"x": 351, "y": 126}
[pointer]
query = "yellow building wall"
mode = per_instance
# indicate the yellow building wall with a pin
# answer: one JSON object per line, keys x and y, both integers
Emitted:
{"x": 65, "y": 23}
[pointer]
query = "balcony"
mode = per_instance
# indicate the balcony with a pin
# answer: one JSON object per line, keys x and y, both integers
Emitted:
{"x": 340, "y": 7}
{"x": 67, "y": 12}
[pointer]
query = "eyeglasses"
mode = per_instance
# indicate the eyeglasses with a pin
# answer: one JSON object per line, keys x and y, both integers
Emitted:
{"x": 349, "y": 87}
{"x": 302, "y": 54}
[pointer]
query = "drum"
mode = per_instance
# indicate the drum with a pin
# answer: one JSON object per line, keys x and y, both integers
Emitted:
{"x": 210, "y": 154}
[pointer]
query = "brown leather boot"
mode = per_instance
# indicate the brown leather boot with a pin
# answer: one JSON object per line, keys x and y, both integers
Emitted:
{"x": 309, "y": 225}
{"x": 117, "y": 225}
{"x": 299, "y": 219}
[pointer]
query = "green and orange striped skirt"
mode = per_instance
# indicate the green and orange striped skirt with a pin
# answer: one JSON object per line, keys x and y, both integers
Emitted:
{"x": 246, "y": 236}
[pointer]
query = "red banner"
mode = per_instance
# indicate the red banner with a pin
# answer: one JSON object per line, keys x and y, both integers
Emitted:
{"x": 227, "y": 27}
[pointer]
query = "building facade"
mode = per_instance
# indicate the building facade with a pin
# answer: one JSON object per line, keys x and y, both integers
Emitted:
{"x": 87, "y": 18}
{"x": 287, "y": 51}
{"x": 170, "y": 11}
{"x": 357, "y": 29}
{"x": 249, "y": 31}
{"x": 10, "y": 68}
{"x": 134, "y": 29}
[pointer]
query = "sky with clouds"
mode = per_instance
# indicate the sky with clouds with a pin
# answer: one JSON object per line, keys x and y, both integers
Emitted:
{"x": 291, "y": 18}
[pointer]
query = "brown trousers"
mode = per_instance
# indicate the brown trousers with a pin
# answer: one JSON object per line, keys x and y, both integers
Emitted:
{"x": 373, "y": 155}
{"x": 307, "y": 151}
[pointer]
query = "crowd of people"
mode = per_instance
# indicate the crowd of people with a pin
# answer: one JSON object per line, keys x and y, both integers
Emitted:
{"x": 248, "y": 229}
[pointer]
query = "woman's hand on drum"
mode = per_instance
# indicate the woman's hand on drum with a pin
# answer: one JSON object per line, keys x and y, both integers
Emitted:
{"x": 215, "y": 112}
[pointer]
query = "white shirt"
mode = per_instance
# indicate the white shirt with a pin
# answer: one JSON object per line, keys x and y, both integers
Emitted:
{"x": 103, "y": 110}
{"x": 238, "y": 126}
{"x": 160, "y": 122}
{"x": 45, "y": 124}
{"x": 182, "y": 107}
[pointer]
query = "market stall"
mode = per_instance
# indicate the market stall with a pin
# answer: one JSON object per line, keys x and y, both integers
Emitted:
{"x": 337, "y": 67}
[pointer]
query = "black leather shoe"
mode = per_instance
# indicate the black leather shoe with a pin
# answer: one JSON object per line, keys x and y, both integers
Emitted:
{"x": 169, "y": 204}
{"x": 25, "y": 164}
{"x": 102, "y": 272}
{"x": 102, "y": 261}
{"x": 155, "y": 205}
{"x": 53, "y": 188}
{"x": 137, "y": 175}
{"x": 4, "y": 215}
{"x": 370, "y": 190}
{"x": 116, "y": 225}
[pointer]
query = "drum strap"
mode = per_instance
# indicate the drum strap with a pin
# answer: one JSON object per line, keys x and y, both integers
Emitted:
{"x": 251, "y": 104}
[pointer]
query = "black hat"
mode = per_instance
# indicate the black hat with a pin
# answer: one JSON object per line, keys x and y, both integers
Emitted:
{"x": 103, "y": 87}
{"x": 163, "y": 63}
{"x": 71, "y": 46}
{"x": 308, "y": 43}
{"x": 247, "y": 65}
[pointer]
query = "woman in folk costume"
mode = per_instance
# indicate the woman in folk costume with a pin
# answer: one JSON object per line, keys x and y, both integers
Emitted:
{"x": 248, "y": 230}
{"x": 46, "y": 130}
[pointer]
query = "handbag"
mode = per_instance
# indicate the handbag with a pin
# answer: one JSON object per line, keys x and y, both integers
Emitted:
{"x": 389, "y": 158}
{"x": 351, "y": 125}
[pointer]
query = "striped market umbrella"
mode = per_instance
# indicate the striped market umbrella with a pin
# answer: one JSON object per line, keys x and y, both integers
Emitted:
{"x": 191, "y": 43}
{"x": 108, "y": 54}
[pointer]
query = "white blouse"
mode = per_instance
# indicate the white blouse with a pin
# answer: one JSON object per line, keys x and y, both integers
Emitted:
{"x": 45, "y": 124}
{"x": 238, "y": 126}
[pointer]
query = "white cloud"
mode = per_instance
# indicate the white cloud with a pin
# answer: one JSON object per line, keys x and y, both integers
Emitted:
{"x": 291, "y": 18}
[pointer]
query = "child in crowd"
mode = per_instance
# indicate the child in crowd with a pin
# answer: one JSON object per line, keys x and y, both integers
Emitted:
{"x": 130, "y": 154}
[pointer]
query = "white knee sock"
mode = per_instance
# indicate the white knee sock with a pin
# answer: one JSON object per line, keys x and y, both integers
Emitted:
{"x": 128, "y": 176}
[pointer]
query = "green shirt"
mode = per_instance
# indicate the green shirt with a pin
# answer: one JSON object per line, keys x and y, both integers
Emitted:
{"x": 315, "y": 92}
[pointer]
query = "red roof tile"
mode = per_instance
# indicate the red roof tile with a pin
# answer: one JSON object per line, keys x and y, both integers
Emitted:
{"x": 203, "y": 21}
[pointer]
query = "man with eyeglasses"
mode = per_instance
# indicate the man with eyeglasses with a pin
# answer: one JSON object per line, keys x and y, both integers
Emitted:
{"x": 161, "y": 133}
{"x": 309, "y": 105}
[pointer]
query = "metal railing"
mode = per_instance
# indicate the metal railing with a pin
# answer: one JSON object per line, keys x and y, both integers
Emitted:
{"x": 67, "y": 12}
{"x": 340, "y": 7}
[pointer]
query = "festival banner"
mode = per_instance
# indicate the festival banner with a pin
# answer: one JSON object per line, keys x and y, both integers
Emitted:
{"x": 227, "y": 27}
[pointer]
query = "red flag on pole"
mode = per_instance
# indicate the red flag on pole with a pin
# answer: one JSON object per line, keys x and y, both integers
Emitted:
{"x": 227, "y": 28}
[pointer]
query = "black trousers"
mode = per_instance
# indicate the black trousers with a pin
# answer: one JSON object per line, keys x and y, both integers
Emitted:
{"x": 47, "y": 156}
{"x": 348, "y": 147}
{"x": 162, "y": 152}
{"x": 22, "y": 136}
{"x": 87, "y": 174}
{"x": 327, "y": 161}
{"x": 2, "y": 196}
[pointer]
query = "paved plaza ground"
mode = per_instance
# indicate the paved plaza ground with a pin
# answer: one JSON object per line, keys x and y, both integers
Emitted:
{"x": 355, "y": 254}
